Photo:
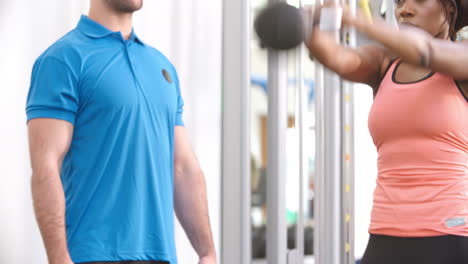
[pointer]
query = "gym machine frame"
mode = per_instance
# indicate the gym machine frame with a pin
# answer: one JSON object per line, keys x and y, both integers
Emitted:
{"x": 334, "y": 197}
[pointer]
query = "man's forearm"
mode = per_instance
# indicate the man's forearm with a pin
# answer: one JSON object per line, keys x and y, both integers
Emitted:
{"x": 191, "y": 208}
{"x": 49, "y": 206}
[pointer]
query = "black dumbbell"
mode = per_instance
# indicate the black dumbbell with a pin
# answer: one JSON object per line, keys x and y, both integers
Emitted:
{"x": 280, "y": 26}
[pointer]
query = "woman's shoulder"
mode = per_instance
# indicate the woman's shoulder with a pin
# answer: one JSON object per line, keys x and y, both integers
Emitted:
{"x": 388, "y": 60}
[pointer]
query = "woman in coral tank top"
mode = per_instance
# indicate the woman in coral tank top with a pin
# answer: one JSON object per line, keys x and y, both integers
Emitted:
{"x": 419, "y": 124}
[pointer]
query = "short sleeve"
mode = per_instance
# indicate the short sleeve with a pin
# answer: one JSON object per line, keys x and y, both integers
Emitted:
{"x": 179, "y": 121}
{"x": 53, "y": 92}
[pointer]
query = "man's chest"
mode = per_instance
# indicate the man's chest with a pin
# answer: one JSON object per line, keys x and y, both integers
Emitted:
{"x": 123, "y": 81}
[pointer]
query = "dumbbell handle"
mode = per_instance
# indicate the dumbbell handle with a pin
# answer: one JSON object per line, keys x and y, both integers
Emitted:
{"x": 330, "y": 18}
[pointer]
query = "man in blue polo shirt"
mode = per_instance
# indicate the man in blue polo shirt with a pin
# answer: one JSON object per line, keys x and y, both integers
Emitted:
{"x": 111, "y": 159}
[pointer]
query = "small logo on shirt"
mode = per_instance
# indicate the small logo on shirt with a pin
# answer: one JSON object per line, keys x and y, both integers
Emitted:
{"x": 453, "y": 222}
{"x": 167, "y": 76}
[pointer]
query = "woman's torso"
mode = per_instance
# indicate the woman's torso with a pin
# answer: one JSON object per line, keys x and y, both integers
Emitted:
{"x": 420, "y": 130}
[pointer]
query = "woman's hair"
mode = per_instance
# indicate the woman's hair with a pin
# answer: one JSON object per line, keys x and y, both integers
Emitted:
{"x": 458, "y": 19}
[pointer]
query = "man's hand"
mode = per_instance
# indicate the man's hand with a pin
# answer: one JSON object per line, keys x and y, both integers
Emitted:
{"x": 207, "y": 260}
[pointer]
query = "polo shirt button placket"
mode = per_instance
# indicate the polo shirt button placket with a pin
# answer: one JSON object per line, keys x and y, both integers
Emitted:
{"x": 130, "y": 58}
{"x": 131, "y": 61}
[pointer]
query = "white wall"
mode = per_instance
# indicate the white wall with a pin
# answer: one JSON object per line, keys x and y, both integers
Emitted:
{"x": 188, "y": 32}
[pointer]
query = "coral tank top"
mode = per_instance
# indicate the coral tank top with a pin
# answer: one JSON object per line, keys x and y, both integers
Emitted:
{"x": 420, "y": 130}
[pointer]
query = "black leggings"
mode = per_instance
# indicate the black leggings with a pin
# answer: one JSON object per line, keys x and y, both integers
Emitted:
{"x": 416, "y": 250}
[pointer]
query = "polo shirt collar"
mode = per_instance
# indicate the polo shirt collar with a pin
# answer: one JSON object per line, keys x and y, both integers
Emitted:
{"x": 93, "y": 29}
{"x": 134, "y": 37}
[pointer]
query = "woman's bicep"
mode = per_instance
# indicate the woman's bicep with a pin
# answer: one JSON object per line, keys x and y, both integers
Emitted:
{"x": 366, "y": 64}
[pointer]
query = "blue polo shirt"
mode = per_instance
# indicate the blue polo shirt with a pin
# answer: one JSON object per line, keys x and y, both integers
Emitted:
{"x": 123, "y": 98}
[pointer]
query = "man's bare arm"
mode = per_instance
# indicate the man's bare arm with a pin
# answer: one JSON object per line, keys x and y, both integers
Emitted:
{"x": 190, "y": 199}
{"x": 49, "y": 140}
